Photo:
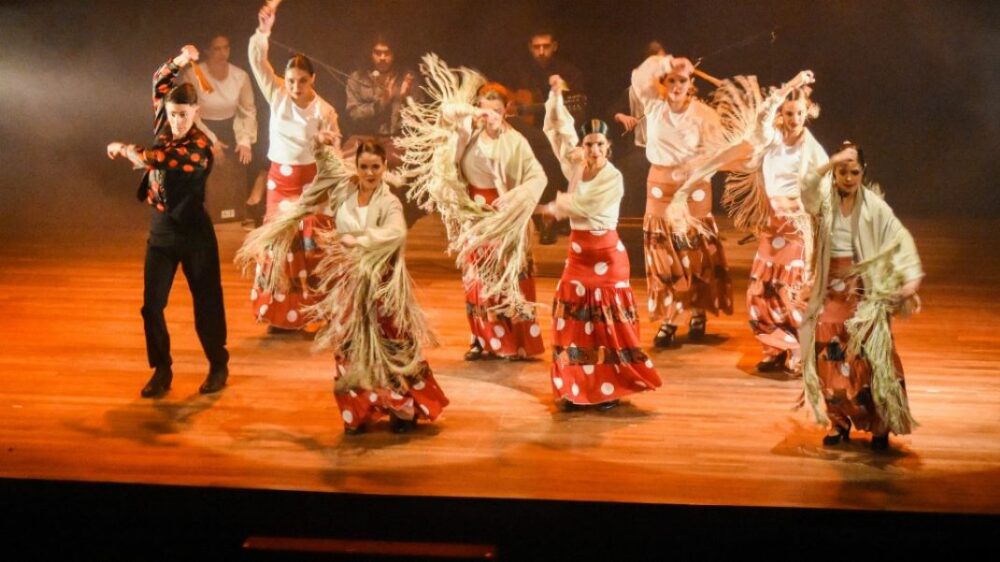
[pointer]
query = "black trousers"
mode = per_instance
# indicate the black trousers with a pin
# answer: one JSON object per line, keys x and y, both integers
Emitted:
{"x": 198, "y": 256}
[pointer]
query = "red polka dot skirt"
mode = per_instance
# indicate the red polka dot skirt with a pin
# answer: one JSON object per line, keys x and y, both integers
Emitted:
{"x": 597, "y": 356}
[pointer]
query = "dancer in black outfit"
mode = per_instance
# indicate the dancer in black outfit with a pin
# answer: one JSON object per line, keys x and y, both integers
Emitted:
{"x": 180, "y": 231}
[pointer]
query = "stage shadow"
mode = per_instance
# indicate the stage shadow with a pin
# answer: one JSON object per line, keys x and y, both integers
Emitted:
{"x": 149, "y": 422}
{"x": 807, "y": 441}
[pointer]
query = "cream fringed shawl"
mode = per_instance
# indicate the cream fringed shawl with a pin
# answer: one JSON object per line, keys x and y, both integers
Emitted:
{"x": 359, "y": 285}
{"x": 747, "y": 130}
{"x": 490, "y": 245}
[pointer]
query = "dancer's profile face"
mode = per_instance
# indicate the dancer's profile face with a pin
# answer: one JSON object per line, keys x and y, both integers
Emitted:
{"x": 678, "y": 87}
{"x": 370, "y": 170}
{"x": 793, "y": 116}
{"x": 595, "y": 147}
{"x": 299, "y": 83}
{"x": 382, "y": 57}
{"x": 848, "y": 176}
{"x": 180, "y": 117}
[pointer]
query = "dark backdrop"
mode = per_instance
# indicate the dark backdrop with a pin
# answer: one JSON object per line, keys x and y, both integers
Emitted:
{"x": 916, "y": 83}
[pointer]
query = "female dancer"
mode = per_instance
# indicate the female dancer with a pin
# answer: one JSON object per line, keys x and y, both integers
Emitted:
{"x": 766, "y": 143}
{"x": 685, "y": 272}
{"x": 781, "y": 270}
{"x": 297, "y": 114}
{"x": 597, "y": 356}
{"x": 180, "y": 231}
{"x": 482, "y": 177}
{"x": 867, "y": 268}
{"x": 373, "y": 321}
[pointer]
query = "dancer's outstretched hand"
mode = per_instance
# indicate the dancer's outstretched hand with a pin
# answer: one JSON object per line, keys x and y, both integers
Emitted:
{"x": 189, "y": 53}
{"x": 265, "y": 19}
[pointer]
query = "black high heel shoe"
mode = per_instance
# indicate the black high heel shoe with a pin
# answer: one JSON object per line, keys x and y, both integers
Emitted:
{"x": 880, "y": 442}
{"x": 776, "y": 363}
{"x": 475, "y": 353}
{"x": 665, "y": 335}
{"x": 696, "y": 327}
{"x": 843, "y": 435}
{"x": 399, "y": 425}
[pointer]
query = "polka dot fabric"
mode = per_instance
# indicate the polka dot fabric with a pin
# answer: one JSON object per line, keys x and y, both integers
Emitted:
{"x": 846, "y": 381}
{"x": 423, "y": 399}
{"x": 497, "y": 333}
{"x": 777, "y": 291}
{"x": 284, "y": 310}
{"x": 596, "y": 348}
{"x": 682, "y": 274}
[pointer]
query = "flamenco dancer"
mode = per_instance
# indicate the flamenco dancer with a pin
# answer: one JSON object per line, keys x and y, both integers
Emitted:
{"x": 469, "y": 164}
{"x": 372, "y": 320}
{"x": 766, "y": 143}
{"x": 597, "y": 357}
{"x": 297, "y": 114}
{"x": 686, "y": 271}
{"x": 867, "y": 270}
{"x": 180, "y": 230}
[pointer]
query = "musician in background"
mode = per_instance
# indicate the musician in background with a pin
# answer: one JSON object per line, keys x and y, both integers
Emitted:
{"x": 529, "y": 77}
{"x": 375, "y": 97}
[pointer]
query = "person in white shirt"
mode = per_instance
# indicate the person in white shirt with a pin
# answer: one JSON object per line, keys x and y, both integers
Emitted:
{"x": 688, "y": 272}
{"x": 598, "y": 357}
{"x": 228, "y": 112}
{"x": 297, "y": 115}
{"x": 779, "y": 274}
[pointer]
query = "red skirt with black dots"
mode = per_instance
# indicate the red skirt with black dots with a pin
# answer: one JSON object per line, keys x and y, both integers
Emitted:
{"x": 597, "y": 355}
{"x": 495, "y": 333}
{"x": 285, "y": 184}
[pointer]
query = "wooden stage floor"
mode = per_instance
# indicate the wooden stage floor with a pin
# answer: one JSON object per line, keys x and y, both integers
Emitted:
{"x": 716, "y": 433}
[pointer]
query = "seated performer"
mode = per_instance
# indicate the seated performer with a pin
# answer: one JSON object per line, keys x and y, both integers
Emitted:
{"x": 597, "y": 356}
{"x": 227, "y": 110}
{"x": 375, "y": 98}
{"x": 867, "y": 269}
{"x": 373, "y": 322}
{"x": 180, "y": 232}
{"x": 528, "y": 76}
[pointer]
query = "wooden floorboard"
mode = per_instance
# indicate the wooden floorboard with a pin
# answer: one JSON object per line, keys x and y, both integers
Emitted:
{"x": 72, "y": 362}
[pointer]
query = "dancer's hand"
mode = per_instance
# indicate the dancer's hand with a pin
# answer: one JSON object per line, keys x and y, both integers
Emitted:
{"x": 406, "y": 86}
{"x": 116, "y": 149}
{"x": 556, "y": 84}
{"x": 507, "y": 199}
{"x": 189, "y": 53}
{"x": 577, "y": 156}
{"x": 803, "y": 78}
{"x": 244, "y": 154}
{"x": 265, "y": 19}
{"x": 329, "y": 138}
{"x": 849, "y": 154}
{"x": 626, "y": 121}
{"x": 348, "y": 240}
{"x": 491, "y": 119}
